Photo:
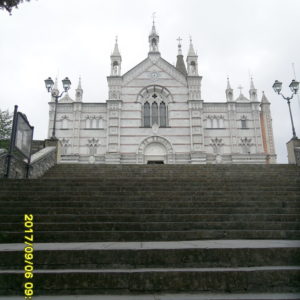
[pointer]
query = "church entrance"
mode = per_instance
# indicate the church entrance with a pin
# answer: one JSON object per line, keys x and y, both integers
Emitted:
{"x": 155, "y": 153}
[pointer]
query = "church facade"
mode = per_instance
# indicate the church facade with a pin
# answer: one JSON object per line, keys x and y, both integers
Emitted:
{"x": 155, "y": 114}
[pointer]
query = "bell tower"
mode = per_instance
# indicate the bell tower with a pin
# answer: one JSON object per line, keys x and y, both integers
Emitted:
{"x": 192, "y": 61}
{"x": 116, "y": 61}
{"x": 153, "y": 38}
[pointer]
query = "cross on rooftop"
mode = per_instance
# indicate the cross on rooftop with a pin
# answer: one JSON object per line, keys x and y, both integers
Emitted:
{"x": 179, "y": 40}
{"x": 153, "y": 17}
{"x": 240, "y": 88}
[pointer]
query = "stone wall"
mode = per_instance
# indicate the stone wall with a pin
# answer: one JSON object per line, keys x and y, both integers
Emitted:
{"x": 18, "y": 167}
{"x": 36, "y": 145}
{"x": 42, "y": 161}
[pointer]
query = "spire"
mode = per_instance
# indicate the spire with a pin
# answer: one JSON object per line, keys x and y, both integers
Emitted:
{"x": 252, "y": 84}
{"x": 229, "y": 91}
{"x": 192, "y": 61}
{"x": 79, "y": 91}
{"x": 116, "y": 51}
{"x": 55, "y": 87}
{"x": 55, "y": 90}
{"x": 180, "y": 65}
{"x": 153, "y": 37}
{"x": 228, "y": 84}
{"x": 79, "y": 84}
{"x": 264, "y": 99}
{"x": 191, "y": 49}
{"x": 252, "y": 91}
{"x": 179, "y": 46}
{"x": 116, "y": 60}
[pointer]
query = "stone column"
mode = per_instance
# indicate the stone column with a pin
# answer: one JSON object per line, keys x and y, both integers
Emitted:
{"x": 196, "y": 128}
{"x": 113, "y": 130}
{"x": 293, "y": 149}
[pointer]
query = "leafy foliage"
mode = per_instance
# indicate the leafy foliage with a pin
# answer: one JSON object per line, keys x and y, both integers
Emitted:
{"x": 6, "y": 120}
{"x": 10, "y": 4}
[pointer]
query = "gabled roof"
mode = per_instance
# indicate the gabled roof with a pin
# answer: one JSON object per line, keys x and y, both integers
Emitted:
{"x": 161, "y": 63}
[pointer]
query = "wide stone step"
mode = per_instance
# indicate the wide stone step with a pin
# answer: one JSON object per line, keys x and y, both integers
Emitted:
{"x": 119, "y": 236}
{"x": 154, "y": 226}
{"x": 207, "y": 196}
{"x": 254, "y": 279}
{"x": 151, "y": 204}
{"x": 116, "y": 211}
{"x": 64, "y": 218}
{"x": 157, "y": 182}
{"x": 184, "y": 254}
{"x": 145, "y": 193}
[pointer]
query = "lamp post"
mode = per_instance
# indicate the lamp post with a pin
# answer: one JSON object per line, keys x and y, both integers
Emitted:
{"x": 55, "y": 94}
{"x": 294, "y": 86}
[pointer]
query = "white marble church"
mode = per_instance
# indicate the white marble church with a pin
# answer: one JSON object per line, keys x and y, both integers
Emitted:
{"x": 155, "y": 114}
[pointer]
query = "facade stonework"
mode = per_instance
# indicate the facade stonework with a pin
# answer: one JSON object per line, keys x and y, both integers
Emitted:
{"x": 155, "y": 113}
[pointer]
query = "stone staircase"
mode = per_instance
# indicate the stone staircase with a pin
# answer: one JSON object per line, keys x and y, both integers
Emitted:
{"x": 152, "y": 229}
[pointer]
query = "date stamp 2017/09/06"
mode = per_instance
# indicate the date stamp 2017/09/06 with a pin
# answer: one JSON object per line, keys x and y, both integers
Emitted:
{"x": 28, "y": 256}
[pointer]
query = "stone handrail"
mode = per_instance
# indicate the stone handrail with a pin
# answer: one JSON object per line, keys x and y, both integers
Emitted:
{"x": 42, "y": 161}
{"x": 297, "y": 155}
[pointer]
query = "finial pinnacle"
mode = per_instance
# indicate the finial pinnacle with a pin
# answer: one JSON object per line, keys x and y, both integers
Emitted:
{"x": 179, "y": 40}
{"x": 179, "y": 46}
{"x": 153, "y": 17}
{"x": 240, "y": 88}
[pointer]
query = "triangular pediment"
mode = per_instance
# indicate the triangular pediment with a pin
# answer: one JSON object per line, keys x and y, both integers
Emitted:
{"x": 154, "y": 64}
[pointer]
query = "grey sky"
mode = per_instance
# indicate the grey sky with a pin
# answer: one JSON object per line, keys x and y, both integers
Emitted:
{"x": 74, "y": 37}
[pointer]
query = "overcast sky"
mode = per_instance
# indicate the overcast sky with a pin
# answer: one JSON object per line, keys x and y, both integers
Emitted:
{"x": 235, "y": 38}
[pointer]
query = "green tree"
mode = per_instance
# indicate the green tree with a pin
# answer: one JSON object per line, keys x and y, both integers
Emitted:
{"x": 10, "y": 4}
{"x": 6, "y": 120}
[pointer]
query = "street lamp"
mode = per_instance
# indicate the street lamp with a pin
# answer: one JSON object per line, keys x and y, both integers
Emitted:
{"x": 55, "y": 94}
{"x": 294, "y": 86}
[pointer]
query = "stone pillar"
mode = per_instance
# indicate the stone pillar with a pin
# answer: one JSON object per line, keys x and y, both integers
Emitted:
{"x": 293, "y": 149}
{"x": 113, "y": 130}
{"x": 54, "y": 143}
{"x": 196, "y": 131}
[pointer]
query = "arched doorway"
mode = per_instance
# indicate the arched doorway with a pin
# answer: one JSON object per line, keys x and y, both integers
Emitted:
{"x": 155, "y": 153}
{"x": 155, "y": 149}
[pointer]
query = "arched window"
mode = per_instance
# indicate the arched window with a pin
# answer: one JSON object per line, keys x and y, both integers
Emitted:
{"x": 193, "y": 67}
{"x": 64, "y": 123}
{"x": 214, "y": 123}
{"x": 155, "y": 102}
{"x": 94, "y": 123}
{"x": 147, "y": 114}
{"x": 115, "y": 68}
{"x": 163, "y": 114}
{"x": 154, "y": 113}
{"x": 221, "y": 123}
{"x": 243, "y": 123}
